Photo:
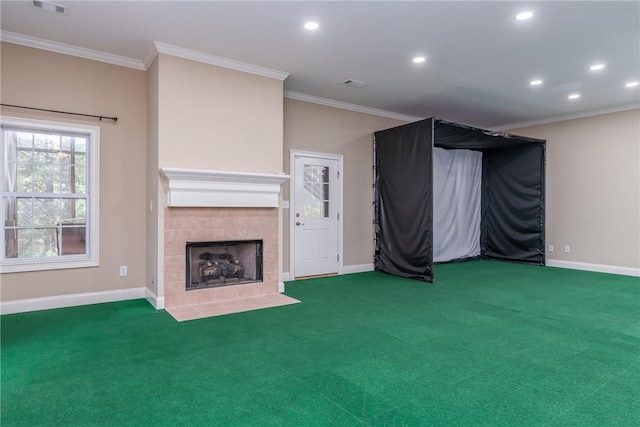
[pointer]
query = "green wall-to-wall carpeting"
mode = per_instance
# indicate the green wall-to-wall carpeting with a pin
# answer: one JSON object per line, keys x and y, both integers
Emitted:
{"x": 489, "y": 343}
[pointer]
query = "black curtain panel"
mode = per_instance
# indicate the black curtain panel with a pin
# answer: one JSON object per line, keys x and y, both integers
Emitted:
{"x": 404, "y": 200}
{"x": 513, "y": 213}
{"x": 512, "y": 224}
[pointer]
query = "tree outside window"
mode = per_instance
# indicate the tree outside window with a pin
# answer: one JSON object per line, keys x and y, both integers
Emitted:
{"x": 46, "y": 193}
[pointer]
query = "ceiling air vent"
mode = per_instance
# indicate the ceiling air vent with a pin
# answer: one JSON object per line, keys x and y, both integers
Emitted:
{"x": 50, "y": 6}
{"x": 354, "y": 83}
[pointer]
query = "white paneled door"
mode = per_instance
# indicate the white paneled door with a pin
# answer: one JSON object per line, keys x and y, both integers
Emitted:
{"x": 315, "y": 216}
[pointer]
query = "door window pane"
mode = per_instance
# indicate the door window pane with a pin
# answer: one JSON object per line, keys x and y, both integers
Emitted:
{"x": 316, "y": 191}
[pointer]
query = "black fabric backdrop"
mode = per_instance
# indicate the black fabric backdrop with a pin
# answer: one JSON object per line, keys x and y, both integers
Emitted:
{"x": 404, "y": 210}
{"x": 513, "y": 195}
{"x": 512, "y": 225}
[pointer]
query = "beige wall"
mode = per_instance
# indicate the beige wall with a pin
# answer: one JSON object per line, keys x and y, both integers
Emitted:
{"x": 593, "y": 164}
{"x": 206, "y": 117}
{"x": 592, "y": 178}
{"x": 216, "y": 118}
{"x": 38, "y": 78}
{"x": 318, "y": 128}
{"x": 153, "y": 180}
{"x": 593, "y": 188}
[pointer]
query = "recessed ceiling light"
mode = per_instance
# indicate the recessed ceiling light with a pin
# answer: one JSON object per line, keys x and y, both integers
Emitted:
{"x": 535, "y": 82}
{"x": 574, "y": 96}
{"x": 631, "y": 84}
{"x": 419, "y": 59}
{"x": 311, "y": 25}
{"x": 597, "y": 67}
{"x": 523, "y": 16}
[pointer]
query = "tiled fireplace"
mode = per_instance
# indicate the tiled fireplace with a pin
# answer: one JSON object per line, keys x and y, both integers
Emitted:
{"x": 209, "y": 206}
{"x": 184, "y": 225}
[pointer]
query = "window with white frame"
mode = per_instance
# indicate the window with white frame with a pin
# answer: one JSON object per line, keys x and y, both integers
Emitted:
{"x": 49, "y": 185}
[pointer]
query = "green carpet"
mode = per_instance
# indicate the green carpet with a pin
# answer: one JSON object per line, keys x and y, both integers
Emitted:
{"x": 489, "y": 343}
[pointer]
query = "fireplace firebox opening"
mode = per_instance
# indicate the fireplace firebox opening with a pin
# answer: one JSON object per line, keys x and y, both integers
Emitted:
{"x": 223, "y": 263}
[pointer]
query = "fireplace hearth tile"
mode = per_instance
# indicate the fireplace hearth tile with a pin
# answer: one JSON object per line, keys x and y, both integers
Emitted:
{"x": 220, "y": 308}
{"x": 184, "y": 313}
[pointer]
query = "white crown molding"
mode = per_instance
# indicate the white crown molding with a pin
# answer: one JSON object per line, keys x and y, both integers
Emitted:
{"x": 219, "y": 61}
{"x": 351, "y": 107}
{"x": 210, "y": 188}
{"x": 66, "y": 49}
{"x": 72, "y": 300}
{"x": 568, "y": 117}
{"x": 148, "y": 60}
{"x": 599, "y": 268}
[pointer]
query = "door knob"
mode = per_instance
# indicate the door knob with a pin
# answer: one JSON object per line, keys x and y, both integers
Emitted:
{"x": 299, "y": 223}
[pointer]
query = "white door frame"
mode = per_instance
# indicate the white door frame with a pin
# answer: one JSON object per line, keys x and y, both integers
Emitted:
{"x": 292, "y": 204}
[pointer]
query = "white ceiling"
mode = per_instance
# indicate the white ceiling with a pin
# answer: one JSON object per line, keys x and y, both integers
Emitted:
{"x": 480, "y": 58}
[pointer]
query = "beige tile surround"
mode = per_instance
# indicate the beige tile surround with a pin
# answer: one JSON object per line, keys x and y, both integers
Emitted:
{"x": 211, "y": 224}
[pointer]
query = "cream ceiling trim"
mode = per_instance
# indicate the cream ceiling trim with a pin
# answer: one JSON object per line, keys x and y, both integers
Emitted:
{"x": 66, "y": 49}
{"x": 219, "y": 61}
{"x": 568, "y": 117}
{"x": 351, "y": 107}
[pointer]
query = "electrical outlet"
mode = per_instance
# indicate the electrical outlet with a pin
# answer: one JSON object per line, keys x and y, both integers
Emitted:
{"x": 550, "y": 248}
{"x": 123, "y": 270}
{"x": 567, "y": 249}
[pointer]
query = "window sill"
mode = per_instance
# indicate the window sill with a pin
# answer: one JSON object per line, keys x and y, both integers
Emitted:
{"x": 15, "y": 266}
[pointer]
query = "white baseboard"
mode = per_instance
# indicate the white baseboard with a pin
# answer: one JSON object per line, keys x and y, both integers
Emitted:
{"x": 347, "y": 269}
{"x": 358, "y": 268}
{"x": 60, "y": 301}
{"x": 600, "y": 268}
{"x": 154, "y": 300}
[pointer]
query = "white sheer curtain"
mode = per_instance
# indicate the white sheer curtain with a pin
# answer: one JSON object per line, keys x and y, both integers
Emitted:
{"x": 457, "y": 178}
{"x": 9, "y": 203}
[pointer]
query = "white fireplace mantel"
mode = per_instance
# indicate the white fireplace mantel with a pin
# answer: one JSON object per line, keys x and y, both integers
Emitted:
{"x": 211, "y": 188}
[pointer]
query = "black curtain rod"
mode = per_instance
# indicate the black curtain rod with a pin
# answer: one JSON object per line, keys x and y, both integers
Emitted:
{"x": 115, "y": 119}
